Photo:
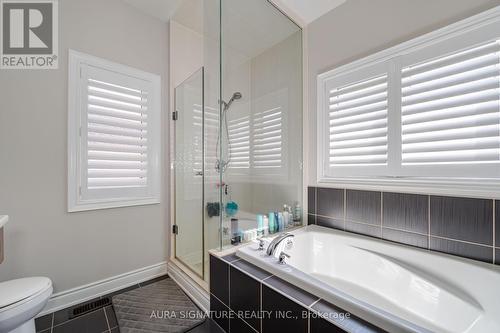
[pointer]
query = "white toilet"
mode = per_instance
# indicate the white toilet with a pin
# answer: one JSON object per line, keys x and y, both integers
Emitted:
{"x": 20, "y": 301}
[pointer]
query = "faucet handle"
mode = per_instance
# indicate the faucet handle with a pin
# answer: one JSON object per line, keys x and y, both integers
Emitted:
{"x": 261, "y": 244}
{"x": 282, "y": 258}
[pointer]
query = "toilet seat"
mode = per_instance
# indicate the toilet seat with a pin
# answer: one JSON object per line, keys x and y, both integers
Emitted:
{"x": 16, "y": 292}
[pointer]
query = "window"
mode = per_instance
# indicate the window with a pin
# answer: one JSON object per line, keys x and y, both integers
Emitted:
{"x": 424, "y": 112}
{"x": 114, "y": 135}
{"x": 258, "y": 142}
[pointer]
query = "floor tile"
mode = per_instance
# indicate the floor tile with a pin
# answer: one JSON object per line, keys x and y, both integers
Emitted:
{"x": 44, "y": 322}
{"x": 110, "y": 314}
{"x": 208, "y": 326}
{"x": 145, "y": 283}
{"x": 94, "y": 322}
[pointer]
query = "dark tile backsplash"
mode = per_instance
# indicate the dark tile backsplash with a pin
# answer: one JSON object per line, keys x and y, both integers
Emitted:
{"x": 408, "y": 212}
{"x": 462, "y": 218}
{"x": 453, "y": 225}
{"x": 330, "y": 202}
{"x": 363, "y": 206}
{"x": 311, "y": 200}
{"x": 468, "y": 250}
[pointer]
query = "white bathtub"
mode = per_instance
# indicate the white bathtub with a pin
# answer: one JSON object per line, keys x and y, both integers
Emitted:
{"x": 398, "y": 288}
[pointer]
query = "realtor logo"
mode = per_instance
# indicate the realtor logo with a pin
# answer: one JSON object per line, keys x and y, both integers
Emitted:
{"x": 28, "y": 34}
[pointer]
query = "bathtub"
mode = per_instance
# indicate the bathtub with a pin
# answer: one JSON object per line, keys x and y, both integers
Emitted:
{"x": 398, "y": 288}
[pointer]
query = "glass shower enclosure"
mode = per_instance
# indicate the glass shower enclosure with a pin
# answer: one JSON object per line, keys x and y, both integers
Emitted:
{"x": 237, "y": 127}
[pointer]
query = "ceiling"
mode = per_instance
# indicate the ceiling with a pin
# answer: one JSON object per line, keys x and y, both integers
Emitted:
{"x": 161, "y": 9}
{"x": 302, "y": 11}
{"x": 306, "y": 11}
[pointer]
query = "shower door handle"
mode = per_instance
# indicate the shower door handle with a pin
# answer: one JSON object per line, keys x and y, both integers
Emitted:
{"x": 198, "y": 173}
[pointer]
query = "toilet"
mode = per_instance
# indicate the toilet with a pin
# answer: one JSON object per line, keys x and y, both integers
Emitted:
{"x": 20, "y": 301}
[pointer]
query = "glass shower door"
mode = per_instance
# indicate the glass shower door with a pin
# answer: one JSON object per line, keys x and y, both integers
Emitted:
{"x": 189, "y": 175}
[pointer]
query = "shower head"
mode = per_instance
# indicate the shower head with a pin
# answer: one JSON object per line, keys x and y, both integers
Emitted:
{"x": 237, "y": 95}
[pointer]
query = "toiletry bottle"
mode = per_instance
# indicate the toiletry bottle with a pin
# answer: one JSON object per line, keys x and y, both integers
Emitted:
{"x": 297, "y": 213}
{"x": 266, "y": 226}
{"x": 281, "y": 225}
{"x": 272, "y": 223}
{"x": 260, "y": 225}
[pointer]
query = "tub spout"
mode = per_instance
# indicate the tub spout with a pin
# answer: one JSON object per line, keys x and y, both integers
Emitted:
{"x": 274, "y": 244}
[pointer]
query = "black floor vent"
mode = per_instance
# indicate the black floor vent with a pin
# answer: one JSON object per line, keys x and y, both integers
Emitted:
{"x": 89, "y": 307}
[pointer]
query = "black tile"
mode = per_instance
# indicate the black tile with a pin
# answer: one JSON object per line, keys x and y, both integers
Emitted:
{"x": 145, "y": 283}
{"x": 245, "y": 295}
{"x": 406, "y": 212}
{"x": 292, "y": 291}
{"x": 231, "y": 257}
{"x": 477, "y": 252}
{"x": 219, "y": 279}
{"x": 320, "y": 325}
{"x": 276, "y": 304}
{"x": 329, "y": 222}
{"x": 239, "y": 326}
{"x": 462, "y": 218}
{"x": 44, "y": 322}
{"x": 497, "y": 256}
{"x": 363, "y": 206}
{"x": 94, "y": 322}
{"x": 254, "y": 271}
{"x": 363, "y": 229}
{"x": 110, "y": 314}
{"x": 219, "y": 313}
{"x": 330, "y": 202}
{"x": 64, "y": 315}
{"x": 208, "y": 326}
{"x": 497, "y": 223}
{"x": 407, "y": 238}
{"x": 342, "y": 319}
{"x": 311, "y": 219}
{"x": 114, "y": 330}
{"x": 311, "y": 200}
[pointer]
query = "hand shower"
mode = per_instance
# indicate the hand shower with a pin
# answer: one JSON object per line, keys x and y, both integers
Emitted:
{"x": 220, "y": 164}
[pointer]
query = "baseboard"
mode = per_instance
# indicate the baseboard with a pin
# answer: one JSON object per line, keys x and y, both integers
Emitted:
{"x": 197, "y": 294}
{"x": 92, "y": 290}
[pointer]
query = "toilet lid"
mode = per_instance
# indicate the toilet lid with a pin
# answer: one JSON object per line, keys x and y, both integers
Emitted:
{"x": 14, "y": 291}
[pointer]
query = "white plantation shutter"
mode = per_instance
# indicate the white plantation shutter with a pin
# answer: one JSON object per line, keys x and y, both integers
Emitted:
{"x": 425, "y": 113}
{"x": 239, "y": 138}
{"x": 358, "y": 123}
{"x": 450, "y": 109}
{"x": 268, "y": 139}
{"x": 116, "y": 141}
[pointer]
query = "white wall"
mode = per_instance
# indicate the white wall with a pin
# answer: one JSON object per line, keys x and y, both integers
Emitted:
{"x": 41, "y": 237}
{"x": 362, "y": 27}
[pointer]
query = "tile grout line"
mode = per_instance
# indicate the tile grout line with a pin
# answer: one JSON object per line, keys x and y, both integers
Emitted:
{"x": 381, "y": 214}
{"x": 494, "y": 231}
{"x": 106, "y": 316}
{"x": 261, "y": 307}
{"x": 428, "y": 222}
{"x": 52, "y": 323}
{"x": 345, "y": 206}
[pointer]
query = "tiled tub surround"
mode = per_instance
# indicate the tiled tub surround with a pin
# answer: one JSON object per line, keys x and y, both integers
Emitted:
{"x": 240, "y": 290}
{"x": 459, "y": 226}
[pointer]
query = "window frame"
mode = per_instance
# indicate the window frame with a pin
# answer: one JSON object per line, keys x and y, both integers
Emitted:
{"x": 77, "y": 115}
{"x": 463, "y": 34}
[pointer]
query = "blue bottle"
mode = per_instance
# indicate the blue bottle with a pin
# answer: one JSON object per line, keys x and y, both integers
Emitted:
{"x": 272, "y": 223}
